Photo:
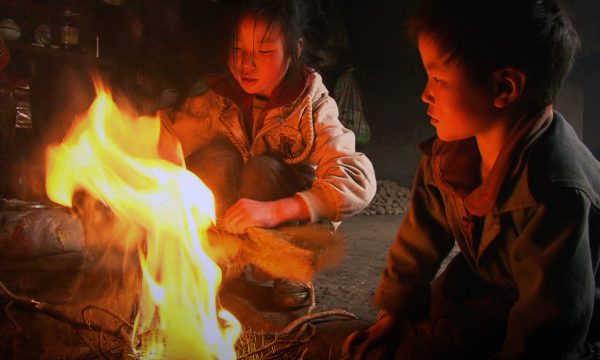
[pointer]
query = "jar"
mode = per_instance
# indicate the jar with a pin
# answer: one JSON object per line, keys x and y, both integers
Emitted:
{"x": 69, "y": 32}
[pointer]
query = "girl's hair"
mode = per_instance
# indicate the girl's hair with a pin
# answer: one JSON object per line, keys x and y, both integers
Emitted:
{"x": 484, "y": 36}
{"x": 298, "y": 20}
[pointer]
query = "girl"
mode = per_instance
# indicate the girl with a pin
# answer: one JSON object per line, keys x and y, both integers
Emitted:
{"x": 265, "y": 136}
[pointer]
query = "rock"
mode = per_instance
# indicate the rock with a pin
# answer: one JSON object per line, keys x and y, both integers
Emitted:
{"x": 390, "y": 199}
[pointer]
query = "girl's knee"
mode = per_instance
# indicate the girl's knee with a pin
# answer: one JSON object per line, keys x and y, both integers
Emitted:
{"x": 263, "y": 166}
{"x": 220, "y": 158}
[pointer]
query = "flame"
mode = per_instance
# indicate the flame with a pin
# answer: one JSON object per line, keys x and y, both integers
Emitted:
{"x": 114, "y": 156}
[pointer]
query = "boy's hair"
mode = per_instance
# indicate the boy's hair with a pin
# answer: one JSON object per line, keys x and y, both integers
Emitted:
{"x": 296, "y": 19}
{"x": 486, "y": 35}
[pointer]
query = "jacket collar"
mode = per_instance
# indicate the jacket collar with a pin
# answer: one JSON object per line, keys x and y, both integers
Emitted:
{"x": 456, "y": 165}
{"x": 286, "y": 93}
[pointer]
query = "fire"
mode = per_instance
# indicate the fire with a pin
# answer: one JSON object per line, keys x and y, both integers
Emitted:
{"x": 114, "y": 156}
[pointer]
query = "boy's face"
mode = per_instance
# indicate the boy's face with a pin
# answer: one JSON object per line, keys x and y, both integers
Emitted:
{"x": 258, "y": 60}
{"x": 458, "y": 109}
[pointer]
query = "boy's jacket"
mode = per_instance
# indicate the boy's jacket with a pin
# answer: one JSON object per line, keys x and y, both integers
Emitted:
{"x": 538, "y": 242}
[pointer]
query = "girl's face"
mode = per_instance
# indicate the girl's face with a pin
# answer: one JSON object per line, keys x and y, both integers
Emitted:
{"x": 258, "y": 60}
{"x": 458, "y": 109}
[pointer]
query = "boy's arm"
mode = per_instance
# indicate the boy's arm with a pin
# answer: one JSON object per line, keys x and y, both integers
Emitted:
{"x": 553, "y": 268}
{"x": 422, "y": 242}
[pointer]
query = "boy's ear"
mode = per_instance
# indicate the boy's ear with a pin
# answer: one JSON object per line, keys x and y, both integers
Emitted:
{"x": 509, "y": 84}
{"x": 299, "y": 47}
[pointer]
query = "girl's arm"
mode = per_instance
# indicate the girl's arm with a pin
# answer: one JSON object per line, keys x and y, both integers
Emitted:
{"x": 193, "y": 124}
{"x": 246, "y": 213}
{"x": 345, "y": 179}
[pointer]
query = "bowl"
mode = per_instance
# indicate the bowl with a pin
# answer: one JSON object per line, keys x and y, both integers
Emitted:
{"x": 9, "y": 29}
{"x": 43, "y": 35}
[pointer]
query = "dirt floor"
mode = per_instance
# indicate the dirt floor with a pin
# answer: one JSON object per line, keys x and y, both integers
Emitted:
{"x": 351, "y": 284}
{"x": 348, "y": 286}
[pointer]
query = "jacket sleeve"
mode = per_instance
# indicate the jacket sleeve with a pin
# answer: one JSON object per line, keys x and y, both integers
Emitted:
{"x": 553, "y": 270}
{"x": 423, "y": 240}
{"x": 345, "y": 179}
{"x": 194, "y": 122}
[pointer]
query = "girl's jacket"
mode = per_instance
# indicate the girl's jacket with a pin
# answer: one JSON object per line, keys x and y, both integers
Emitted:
{"x": 300, "y": 125}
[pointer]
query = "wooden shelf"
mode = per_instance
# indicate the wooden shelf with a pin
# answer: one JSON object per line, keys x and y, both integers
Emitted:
{"x": 70, "y": 56}
{"x": 31, "y": 6}
{"x": 55, "y": 8}
{"x": 91, "y": 20}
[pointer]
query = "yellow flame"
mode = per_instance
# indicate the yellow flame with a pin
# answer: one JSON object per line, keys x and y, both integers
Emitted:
{"x": 115, "y": 158}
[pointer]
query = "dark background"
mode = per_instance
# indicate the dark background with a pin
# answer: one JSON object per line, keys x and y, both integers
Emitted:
{"x": 147, "y": 46}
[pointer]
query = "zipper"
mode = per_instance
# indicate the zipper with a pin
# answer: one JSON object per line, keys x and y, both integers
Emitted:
{"x": 465, "y": 239}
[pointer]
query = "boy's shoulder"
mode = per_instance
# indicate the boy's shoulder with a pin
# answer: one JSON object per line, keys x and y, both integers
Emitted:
{"x": 559, "y": 159}
{"x": 426, "y": 146}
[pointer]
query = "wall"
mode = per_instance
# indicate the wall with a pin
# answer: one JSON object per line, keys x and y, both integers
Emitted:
{"x": 370, "y": 35}
{"x": 390, "y": 76}
{"x": 389, "y": 73}
{"x": 162, "y": 44}
{"x": 579, "y": 98}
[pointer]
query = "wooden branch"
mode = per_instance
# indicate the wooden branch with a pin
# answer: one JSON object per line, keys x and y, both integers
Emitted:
{"x": 287, "y": 340}
{"x": 315, "y": 316}
{"x": 274, "y": 349}
{"x": 49, "y": 310}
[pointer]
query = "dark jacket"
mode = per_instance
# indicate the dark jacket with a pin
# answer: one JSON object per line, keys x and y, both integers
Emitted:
{"x": 538, "y": 244}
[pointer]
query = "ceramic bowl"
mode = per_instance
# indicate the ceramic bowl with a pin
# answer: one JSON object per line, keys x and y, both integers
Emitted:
{"x": 9, "y": 29}
{"x": 43, "y": 34}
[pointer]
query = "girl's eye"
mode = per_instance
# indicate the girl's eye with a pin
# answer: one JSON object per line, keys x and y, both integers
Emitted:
{"x": 265, "y": 51}
{"x": 436, "y": 79}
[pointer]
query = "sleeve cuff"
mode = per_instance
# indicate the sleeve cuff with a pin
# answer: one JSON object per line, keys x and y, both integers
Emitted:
{"x": 319, "y": 205}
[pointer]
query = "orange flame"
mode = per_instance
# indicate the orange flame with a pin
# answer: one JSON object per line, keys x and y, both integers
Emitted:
{"x": 115, "y": 158}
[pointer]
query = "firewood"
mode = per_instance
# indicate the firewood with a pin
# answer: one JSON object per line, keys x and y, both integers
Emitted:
{"x": 291, "y": 252}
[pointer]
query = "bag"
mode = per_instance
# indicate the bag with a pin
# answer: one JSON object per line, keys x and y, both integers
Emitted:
{"x": 34, "y": 230}
{"x": 347, "y": 95}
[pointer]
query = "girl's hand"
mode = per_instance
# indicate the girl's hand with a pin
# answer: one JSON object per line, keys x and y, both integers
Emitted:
{"x": 247, "y": 213}
{"x": 359, "y": 343}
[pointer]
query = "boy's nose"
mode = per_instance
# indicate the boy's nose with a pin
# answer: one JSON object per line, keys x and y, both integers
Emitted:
{"x": 426, "y": 96}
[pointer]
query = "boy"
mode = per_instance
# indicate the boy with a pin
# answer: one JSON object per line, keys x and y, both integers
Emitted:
{"x": 509, "y": 181}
